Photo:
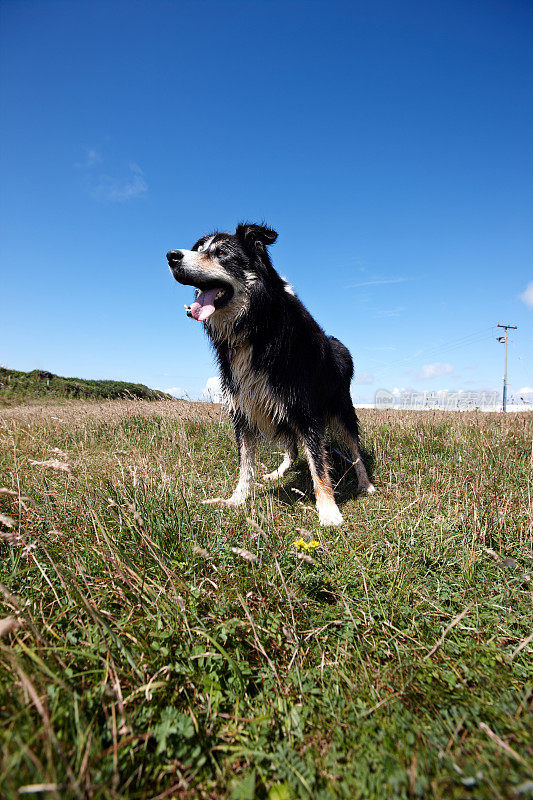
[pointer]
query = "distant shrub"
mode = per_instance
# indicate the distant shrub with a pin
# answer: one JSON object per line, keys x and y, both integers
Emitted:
{"x": 17, "y": 387}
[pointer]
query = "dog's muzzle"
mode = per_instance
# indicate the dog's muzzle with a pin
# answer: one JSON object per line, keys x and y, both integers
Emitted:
{"x": 213, "y": 292}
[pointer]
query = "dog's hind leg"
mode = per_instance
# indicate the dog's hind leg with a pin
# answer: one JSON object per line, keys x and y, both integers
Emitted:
{"x": 328, "y": 512}
{"x": 348, "y": 428}
{"x": 246, "y": 443}
{"x": 291, "y": 454}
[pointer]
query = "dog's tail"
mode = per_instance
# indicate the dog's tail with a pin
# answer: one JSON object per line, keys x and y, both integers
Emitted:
{"x": 343, "y": 359}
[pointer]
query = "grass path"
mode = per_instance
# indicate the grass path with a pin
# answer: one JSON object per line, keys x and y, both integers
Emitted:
{"x": 154, "y": 647}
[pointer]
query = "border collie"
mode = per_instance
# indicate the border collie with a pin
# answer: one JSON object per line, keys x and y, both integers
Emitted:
{"x": 281, "y": 375}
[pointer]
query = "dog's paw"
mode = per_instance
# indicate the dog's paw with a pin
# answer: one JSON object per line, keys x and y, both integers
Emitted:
{"x": 370, "y": 489}
{"x": 330, "y": 515}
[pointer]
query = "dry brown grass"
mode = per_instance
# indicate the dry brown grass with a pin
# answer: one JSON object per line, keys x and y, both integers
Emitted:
{"x": 111, "y": 410}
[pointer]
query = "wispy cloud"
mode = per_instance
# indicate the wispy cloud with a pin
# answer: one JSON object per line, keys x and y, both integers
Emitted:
{"x": 377, "y": 282}
{"x": 92, "y": 157}
{"x": 435, "y": 370}
{"x": 391, "y": 312}
{"x": 119, "y": 190}
{"x": 527, "y": 295}
{"x": 109, "y": 188}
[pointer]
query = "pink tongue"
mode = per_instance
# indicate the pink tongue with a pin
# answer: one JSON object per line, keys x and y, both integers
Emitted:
{"x": 204, "y": 305}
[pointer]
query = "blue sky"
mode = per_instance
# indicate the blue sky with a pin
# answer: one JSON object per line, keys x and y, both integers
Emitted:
{"x": 388, "y": 143}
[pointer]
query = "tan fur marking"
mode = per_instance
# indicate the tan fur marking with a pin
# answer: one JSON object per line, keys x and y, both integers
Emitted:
{"x": 323, "y": 490}
{"x": 322, "y": 486}
{"x": 206, "y": 261}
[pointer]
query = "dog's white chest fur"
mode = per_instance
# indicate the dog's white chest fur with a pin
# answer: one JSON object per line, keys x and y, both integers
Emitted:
{"x": 252, "y": 395}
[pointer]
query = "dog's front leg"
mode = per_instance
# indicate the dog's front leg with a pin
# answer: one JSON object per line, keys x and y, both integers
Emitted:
{"x": 246, "y": 443}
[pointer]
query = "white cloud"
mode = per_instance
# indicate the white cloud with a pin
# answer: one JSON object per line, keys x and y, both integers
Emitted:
{"x": 363, "y": 377}
{"x": 213, "y": 389}
{"x": 527, "y": 295}
{"x": 526, "y": 390}
{"x": 435, "y": 370}
{"x": 176, "y": 391}
{"x": 379, "y": 281}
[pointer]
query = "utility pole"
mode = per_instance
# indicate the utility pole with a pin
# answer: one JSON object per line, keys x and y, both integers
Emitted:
{"x": 504, "y": 340}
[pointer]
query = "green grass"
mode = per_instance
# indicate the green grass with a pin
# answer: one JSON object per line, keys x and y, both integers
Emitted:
{"x": 35, "y": 386}
{"x": 146, "y": 658}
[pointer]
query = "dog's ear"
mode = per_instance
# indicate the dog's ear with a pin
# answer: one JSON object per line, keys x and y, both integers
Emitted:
{"x": 255, "y": 236}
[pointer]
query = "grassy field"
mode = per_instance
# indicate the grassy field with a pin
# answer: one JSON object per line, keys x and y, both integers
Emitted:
{"x": 155, "y": 647}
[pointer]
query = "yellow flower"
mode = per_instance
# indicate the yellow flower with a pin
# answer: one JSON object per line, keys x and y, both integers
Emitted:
{"x": 301, "y": 544}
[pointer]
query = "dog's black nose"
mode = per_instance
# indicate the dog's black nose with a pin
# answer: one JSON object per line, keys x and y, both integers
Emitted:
{"x": 174, "y": 256}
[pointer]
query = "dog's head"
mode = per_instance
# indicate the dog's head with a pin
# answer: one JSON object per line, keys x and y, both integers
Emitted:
{"x": 224, "y": 267}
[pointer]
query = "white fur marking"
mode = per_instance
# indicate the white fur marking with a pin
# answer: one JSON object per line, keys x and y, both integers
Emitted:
{"x": 287, "y": 286}
{"x": 329, "y": 515}
{"x": 205, "y": 246}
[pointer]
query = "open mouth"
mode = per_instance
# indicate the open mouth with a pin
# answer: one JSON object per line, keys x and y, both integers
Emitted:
{"x": 212, "y": 295}
{"x": 210, "y": 300}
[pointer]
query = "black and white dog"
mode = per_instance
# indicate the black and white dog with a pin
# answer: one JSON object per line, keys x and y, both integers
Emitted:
{"x": 281, "y": 375}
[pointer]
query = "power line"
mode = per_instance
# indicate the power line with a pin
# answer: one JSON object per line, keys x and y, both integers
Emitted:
{"x": 455, "y": 344}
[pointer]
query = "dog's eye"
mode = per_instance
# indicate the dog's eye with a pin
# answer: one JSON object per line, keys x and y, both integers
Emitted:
{"x": 219, "y": 252}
